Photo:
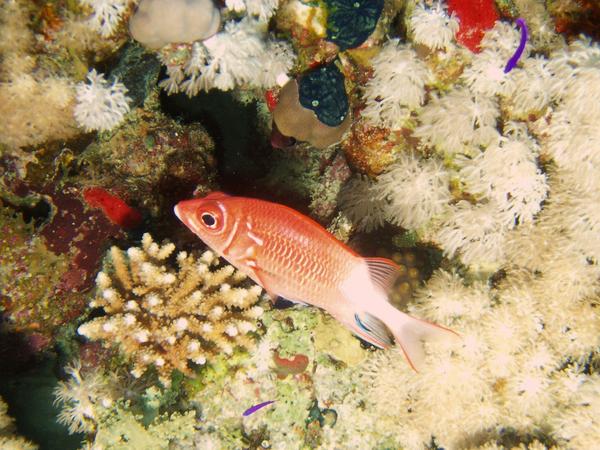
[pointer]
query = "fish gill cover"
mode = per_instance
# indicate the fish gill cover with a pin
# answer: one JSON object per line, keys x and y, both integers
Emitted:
{"x": 351, "y": 22}
{"x": 322, "y": 90}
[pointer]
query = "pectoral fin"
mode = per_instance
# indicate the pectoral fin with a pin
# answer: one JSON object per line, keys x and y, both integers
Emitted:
{"x": 251, "y": 268}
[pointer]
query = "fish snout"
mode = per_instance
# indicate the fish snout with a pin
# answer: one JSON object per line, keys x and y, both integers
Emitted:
{"x": 185, "y": 210}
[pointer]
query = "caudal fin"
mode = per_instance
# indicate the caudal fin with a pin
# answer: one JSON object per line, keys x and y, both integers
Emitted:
{"x": 409, "y": 334}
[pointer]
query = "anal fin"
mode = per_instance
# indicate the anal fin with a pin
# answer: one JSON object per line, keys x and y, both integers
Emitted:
{"x": 373, "y": 330}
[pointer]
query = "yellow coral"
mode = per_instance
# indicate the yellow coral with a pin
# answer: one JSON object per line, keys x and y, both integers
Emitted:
{"x": 168, "y": 317}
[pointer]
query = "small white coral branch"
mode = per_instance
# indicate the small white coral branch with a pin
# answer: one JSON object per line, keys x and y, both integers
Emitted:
{"x": 82, "y": 399}
{"x": 359, "y": 201}
{"x": 100, "y": 105}
{"x": 106, "y": 15}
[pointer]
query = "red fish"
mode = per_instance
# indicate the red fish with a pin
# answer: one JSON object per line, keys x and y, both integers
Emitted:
{"x": 292, "y": 256}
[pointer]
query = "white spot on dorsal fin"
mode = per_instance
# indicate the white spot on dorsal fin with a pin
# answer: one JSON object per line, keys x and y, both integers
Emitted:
{"x": 383, "y": 272}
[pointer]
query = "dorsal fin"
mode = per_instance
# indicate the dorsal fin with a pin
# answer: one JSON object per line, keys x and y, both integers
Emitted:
{"x": 383, "y": 272}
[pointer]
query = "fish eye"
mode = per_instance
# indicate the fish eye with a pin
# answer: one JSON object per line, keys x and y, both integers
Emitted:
{"x": 209, "y": 220}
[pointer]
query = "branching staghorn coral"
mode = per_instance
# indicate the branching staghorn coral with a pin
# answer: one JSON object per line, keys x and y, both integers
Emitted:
{"x": 167, "y": 318}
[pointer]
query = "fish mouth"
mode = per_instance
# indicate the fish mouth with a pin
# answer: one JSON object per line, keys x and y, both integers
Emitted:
{"x": 177, "y": 212}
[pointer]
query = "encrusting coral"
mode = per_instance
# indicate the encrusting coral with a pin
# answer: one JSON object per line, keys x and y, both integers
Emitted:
{"x": 168, "y": 318}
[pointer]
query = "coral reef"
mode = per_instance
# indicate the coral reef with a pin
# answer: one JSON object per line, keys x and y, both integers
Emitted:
{"x": 147, "y": 155}
{"x": 168, "y": 318}
{"x": 480, "y": 183}
{"x": 46, "y": 271}
{"x": 93, "y": 402}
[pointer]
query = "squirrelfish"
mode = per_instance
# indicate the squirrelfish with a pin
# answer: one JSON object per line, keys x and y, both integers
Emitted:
{"x": 292, "y": 256}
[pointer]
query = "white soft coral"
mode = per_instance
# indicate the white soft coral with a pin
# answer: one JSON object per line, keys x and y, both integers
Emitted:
{"x": 433, "y": 27}
{"x": 397, "y": 87}
{"x": 240, "y": 55}
{"x": 458, "y": 120}
{"x": 475, "y": 232}
{"x": 507, "y": 174}
{"x": 100, "y": 105}
{"x": 106, "y": 15}
{"x": 415, "y": 190}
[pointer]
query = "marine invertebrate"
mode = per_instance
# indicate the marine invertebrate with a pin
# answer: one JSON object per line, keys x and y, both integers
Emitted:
{"x": 512, "y": 62}
{"x": 315, "y": 107}
{"x": 36, "y": 105}
{"x": 475, "y": 17}
{"x": 106, "y": 15}
{"x": 532, "y": 89}
{"x": 452, "y": 123}
{"x": 415, "y": 190}
{"x": 487, "y": 74}
{"x": 476, "y": 232}
{"x": 397, "y": 86}
{"x": 115, "y": 209}
{"x": 364, "y": 208}
{"x": 433, "y": 27}
{"x": 410, "y": 193}
{"x": 507, "y": 174}
{"x": 262, "y": 9}
{"x": 242, "y": 54}
{"x": 157, "y": 23}
{"x": 100, "y": 106}
{"x": 350, "y": 22}
{"x": 83, "y": 398}
{"x": 167, "y": 318}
